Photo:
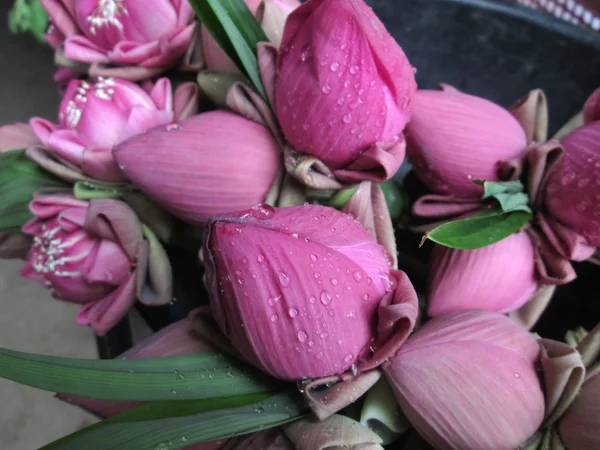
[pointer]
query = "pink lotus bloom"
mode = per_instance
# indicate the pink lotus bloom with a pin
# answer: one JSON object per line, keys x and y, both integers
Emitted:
{"x": 454, "y": 139}
{"x": 96, "y": 116}
{"x": 468, "y": 380}
{"x": 573, "y": 187}
{"x": 297, "y": 290}
{"x": 499, "y": 277}
{"x": 343, "y": 84}
{"x": 94, "y": 254}
{"x": 151, "y": 34}
{"x": 209, "y": 164}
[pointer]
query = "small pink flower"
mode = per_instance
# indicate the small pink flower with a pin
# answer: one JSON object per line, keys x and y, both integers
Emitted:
{"x": 97, "y": 115}
{"x": 468, "y": 380}
{"x": 298, "y": 290}
{"x": 94, "y": 254}
{"x": 343, "y": 84}
{"x": 454, "y": 139}
{"x": 211, "y": 163}
{"x": 151, "y": 34}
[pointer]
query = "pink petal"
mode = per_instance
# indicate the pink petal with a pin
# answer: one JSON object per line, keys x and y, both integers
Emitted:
{"x": 110, "y": 266}
{"x": 42, "y": 128}
{"x": 101, "y": 165}
{"x": 579, "y": 426}
{"x": 591, "y": 109}
{"x": 16, "y": 136}
{"x": 499, "y": 277}
{"x": 68, "y": 145}
{"x": 79, "y": 48}
{"x": 162, "y": 94}
{"x": 102, "y": 123}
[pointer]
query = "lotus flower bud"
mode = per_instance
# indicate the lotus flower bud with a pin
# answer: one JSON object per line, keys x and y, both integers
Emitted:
{"x": 209, "y": 164}
{"x": 214, "y": 56}
{"x": 296, "y": 290}
{"x": 573, "y": 186}
{"x": 95, "y": 116}
{"x": 499, "y": 277}
{"x": 94, "y": 254}
{"x": 454, "y": 139}
{"x": 341, "y": 91}
{"x": 468, "y": 380}
{"x": 152, "y": 34}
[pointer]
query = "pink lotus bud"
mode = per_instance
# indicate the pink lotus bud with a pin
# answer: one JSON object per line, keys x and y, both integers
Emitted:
{"x": 499, "y": 277}
{"x": 209, "y": 164}
{"x": 296, "y": 290}
{"x": 468, "y": 380}
{"x": 454, "y": 139}
{"x": 94, "y": 254}
{"x": 148, "y": 33}
{"x": 340, "y": 91}
{"x": 96, "y": 116}
{"x": 214, "y": 56}
{"x": 573, "y": 187}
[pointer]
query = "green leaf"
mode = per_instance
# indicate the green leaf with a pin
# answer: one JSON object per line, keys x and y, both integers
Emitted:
{"x": 510, "y": 195}
{"x": 185, "y": 377}
{"x": 20, "y": 178}
{"x": 28, "y": 16}
{"x": 174, "y": 425}
{"x": 237, "y": 32}
{"x": 479, "y": 230}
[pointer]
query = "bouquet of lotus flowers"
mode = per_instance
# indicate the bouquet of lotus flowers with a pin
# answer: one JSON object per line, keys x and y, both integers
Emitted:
{"x": 266, "y": 138}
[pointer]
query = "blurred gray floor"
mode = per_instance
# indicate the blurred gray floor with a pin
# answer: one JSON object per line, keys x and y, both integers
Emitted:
{"x": 30, "y": 320}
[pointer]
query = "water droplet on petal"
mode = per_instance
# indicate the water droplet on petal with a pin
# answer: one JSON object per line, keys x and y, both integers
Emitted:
{"x": 302, "y": 336}
{"x": 347, "y": 118}
{"x": 340, "y": 342}
{"x": 326, "y": 298}
{"x": 366, "y": 297}
{"x": 357, "y": 276}
{"x": 317, "y": 275}
{"x": 334, "y": 281}
{"x": 354, "y": 69}
{"x": 334, "y": 66}
{"x": 260, "y": 258}
{"x": 293, "y": 312}
{"x": 517, "y": 375}
{"x": 348, "y": 357}
{"x": 326, "y": 89}
{"x": 311, "y": 343}
{"x": 313, "y": 257}
{"x": 284, "y": 279}
{"x": 274, "y": 318}
{"x": 173, "y": 127}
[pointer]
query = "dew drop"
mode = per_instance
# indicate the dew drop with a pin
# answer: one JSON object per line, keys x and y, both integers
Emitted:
{"x": 326, "y": 89}
{"x": 284, "y": 279}
{"x": 334, "y": 281}
{"x": 311, "y": 343}
{"x": 317, "y": 275}
{"x": 312, "y": 299}
{"x": 357, "y": 276}
{"x": 347, "y": 118}
{"x": 323, "y": 335}
{"x": 347, "y": 84}
{"x": 334, "y": 66}
{"x": 319, "y": 355}
{"x": 260, "y": 258}
{"x": 313, "y": 257}
{"x": 326, "y": 298}
{"x": 340, "y": 342}
{"x": 302, "y": 336}
{"x": 173, "y": 127}
{"x": 369, "y": 280}
{"x": 354, "y": 69}
{"x": 348, "y": 357}
{"x": 293, "y": 312}
{"x": 274, "y": 318}
{"x": 517, "y": 375}
{"x": 341, "y": 101}
{"x": 366, "y": 297}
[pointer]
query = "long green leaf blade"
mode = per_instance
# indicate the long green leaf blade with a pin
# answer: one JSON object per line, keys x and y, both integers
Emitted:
{"x": 181, "y": 431}
{"x": 235, "y": 29}
{"x": 196, "y": 376}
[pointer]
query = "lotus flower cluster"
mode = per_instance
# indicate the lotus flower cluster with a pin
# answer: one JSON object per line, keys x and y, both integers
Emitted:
{"x": 455, "y": 139}
{"x": 238, "y": 173}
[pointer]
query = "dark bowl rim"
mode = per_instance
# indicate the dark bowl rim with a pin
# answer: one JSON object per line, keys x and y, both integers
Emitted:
{"x": 538, "y": 18}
